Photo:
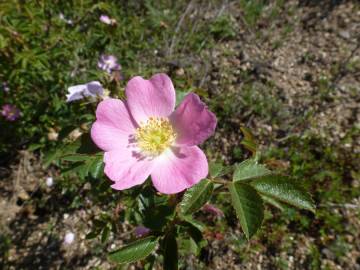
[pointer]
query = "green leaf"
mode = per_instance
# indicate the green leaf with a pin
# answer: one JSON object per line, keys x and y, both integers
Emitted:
{"x": 248, "y": 142}
{"x": 249, "y": 207}
{"x": 157, "y": 217}
{"x": 50, "y": 157}
{"x": 249, "y": 169}
{"x": 189, "y": 246}
{"x": 78, "y": 168}
{"x": 180, "y": 95}
{"x": 75, "y": 158}
{"x": 135, "y": 251}
{"x": 155, "y": 210}
{"x": 284, "y": 189}
{"x": 216, "y": 169}
{"x": 193, "y": 231}
{"x": 92, "y": 234}
{"x": 96, "y": 166}
{"x": 150, "y": 261}
{"x": 105, "y": 234}
{"x": 274, "y": 202}
{"x": 197, "y": 224}
{"x": 197, "y": 241}
{"x": 170, "y": 251}
{"x": 34, "y": 146}
{"x": 83, "y": 170}
{"x": 195, "y": 197}
{"x": 249, "y": 146}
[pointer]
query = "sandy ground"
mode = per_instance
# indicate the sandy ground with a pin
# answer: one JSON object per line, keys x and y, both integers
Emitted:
{"x": 304, "y": 46}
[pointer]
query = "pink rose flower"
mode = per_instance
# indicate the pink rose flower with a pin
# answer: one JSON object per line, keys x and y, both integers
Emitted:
{"x": 145, "y": 135}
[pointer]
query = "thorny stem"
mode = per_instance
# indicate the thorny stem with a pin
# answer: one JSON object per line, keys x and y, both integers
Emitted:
{"x": 219, "y": 181}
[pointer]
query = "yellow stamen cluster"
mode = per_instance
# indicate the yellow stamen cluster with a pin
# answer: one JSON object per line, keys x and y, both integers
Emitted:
{"x": 155, "y": 136}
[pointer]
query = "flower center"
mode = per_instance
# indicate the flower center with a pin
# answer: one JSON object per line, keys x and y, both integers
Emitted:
{"x": 155, "y": 136}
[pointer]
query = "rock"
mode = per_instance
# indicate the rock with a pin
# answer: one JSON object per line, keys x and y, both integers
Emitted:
{"x": 344, "y": 34}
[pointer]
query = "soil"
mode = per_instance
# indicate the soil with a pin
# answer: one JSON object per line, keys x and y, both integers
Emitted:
{"x": 307, "y": 44}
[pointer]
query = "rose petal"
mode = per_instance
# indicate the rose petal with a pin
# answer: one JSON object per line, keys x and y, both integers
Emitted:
{"x": 193, "y": 122}
{"x": 114, "y": 126}
{"x": 147, "y": 98}
{"x": 178, "y": 169}
{"x": 127, "y": 168}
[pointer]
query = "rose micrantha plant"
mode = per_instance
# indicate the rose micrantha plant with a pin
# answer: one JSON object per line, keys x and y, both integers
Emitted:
{"x": 146, "y": 149}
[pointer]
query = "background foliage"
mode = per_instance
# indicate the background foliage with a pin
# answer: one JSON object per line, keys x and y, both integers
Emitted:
{"x": 223, "y": 50}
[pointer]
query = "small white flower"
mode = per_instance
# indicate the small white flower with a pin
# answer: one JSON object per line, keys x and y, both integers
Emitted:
{"x": 91, "y": 89}
{"x": 75, "y": 134}
{"x": 107, "y": 20}
{"x": 62, "y": 17}
{"x": 49, "y": 181}
{"x": 69, "y": 238}
{"x": 5, "y": 87}
{"x": 52, "y": 135}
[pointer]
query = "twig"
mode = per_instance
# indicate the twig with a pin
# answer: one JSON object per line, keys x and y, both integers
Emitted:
{"x": 178, "y": 26}
{"x": 220, "y": 181}
{"x": 342, "y": 71}
{"x": 207, "y": 65}
{"x": 337, "y": 205}
{"x": 17, "y": 181}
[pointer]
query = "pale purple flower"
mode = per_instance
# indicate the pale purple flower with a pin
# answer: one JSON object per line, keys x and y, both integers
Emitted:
{"x": 10, "y": 112}
{"x": 107, "y": 20}
{"x": 5, "y": 86}
{"x": 141, "y": 231}
{"x": 69, "y": 238}
{"x": 91, "y": 89}
{"x": 108, "y": 63}
{"x": 211, "y": 209}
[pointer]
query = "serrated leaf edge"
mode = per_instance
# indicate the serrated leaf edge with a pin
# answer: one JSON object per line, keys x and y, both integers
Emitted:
{"x": 199, "y": 194}
{"x": 262, "y": 203}
{"x": 283, "y": 201}
{"x": 156, "y": 239}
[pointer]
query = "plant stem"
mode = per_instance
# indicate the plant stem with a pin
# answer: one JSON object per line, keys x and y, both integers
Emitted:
{"x": 219, "y": 181}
